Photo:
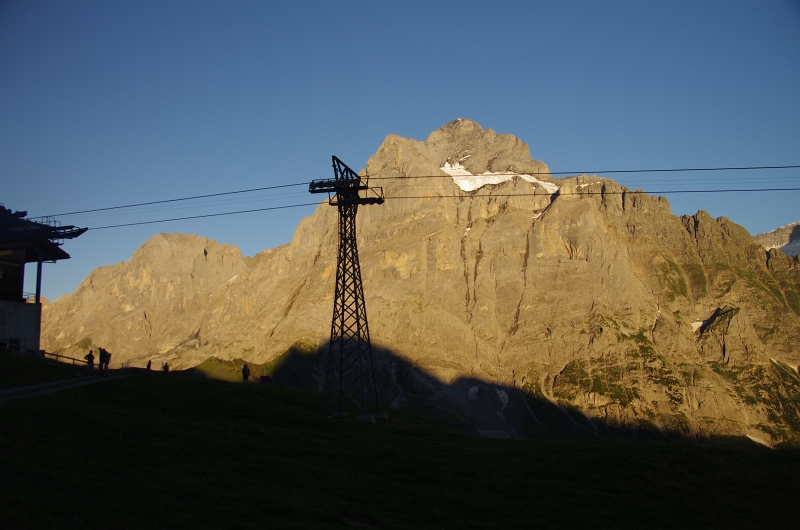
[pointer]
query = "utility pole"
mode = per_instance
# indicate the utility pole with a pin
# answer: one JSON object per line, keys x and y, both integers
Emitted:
{"x": 349, "y": 370}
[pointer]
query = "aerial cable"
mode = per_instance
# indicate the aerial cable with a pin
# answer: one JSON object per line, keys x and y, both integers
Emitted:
{"x": 205, "y": 215}
{"x": 452, "y": 197}
{"x": 280, "y": 186}
{"x": 750, "y": 168}
{"x": 156, "y": 209}
{"x": 678, "y": 170}
{"x": 559, "y": 194}
{"x": 182, "y": 199}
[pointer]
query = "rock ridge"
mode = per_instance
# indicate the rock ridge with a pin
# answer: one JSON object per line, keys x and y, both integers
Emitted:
{"x": 785, "y": 238}
{"x": 593, "y": 298}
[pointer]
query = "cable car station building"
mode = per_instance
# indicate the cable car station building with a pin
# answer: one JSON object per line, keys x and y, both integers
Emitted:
{"x": 26, "y": 241}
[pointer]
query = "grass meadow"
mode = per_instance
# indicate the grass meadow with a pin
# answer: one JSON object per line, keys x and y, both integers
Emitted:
{"x": 165, "y": 450}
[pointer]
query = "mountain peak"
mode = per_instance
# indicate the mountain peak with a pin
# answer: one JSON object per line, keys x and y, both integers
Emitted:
{"x": 461, "y": 144}
{"x": 458, "y": 127}
{"x": 785, "y": 238}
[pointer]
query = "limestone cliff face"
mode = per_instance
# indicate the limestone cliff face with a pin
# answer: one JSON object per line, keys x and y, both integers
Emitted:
{"x": 150, "y": 305}
{"x": 577, "y": 291}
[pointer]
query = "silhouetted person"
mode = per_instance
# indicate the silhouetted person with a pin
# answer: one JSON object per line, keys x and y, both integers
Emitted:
{"x": 105, "y": 358}
{"x": 165, "y": 367}
{"x": 148, "y": 365}
{"x": 90, "y": 360}
{"x": 245, "y": 373}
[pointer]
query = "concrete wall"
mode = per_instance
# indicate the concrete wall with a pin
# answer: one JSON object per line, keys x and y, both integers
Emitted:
{"x": 21, "y": 321}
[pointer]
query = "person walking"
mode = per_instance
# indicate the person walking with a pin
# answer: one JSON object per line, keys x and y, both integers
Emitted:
{"x": 245, "y": 374}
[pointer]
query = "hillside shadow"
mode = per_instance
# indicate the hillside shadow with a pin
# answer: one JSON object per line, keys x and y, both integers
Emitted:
{"x": 468, "y": 404}
{"x": 795, "y": 234}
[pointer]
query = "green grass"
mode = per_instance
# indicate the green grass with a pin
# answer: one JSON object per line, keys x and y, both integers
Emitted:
{"x": 85, "y": 343}
{"x": 230, "y": 371}
{"x": 673, "y": 279}
{"x": 169, "y": 451}
{"x": 21, "y": 370}
{"x": 697, "y": 278}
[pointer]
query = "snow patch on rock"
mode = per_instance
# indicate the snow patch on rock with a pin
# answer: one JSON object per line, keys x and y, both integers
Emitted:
{"x": 469, "y": 182}
{"x": 760, "y": 441}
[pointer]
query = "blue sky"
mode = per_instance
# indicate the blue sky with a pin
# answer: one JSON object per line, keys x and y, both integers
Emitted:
{"x": 111, "y": 103}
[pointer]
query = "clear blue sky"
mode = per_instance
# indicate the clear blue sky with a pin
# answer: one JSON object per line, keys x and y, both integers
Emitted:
{"x": 115, "y": 102}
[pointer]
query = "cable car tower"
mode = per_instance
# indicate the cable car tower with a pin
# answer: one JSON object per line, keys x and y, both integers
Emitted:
{"x": 349, "y": 370}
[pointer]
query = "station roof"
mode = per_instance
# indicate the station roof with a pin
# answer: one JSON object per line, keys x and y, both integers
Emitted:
{"x": 43, "y": 235}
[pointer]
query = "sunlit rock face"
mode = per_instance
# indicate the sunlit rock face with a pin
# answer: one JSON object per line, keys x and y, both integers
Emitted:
{"x": 148, "y": 305}
{"x": 785, "y": 238}
{"x": 575, "y": 292}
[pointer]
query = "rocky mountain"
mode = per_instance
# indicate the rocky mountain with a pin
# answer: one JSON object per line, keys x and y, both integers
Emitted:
{"x": 786, "y": 238}
{"x": 498, "y": 296}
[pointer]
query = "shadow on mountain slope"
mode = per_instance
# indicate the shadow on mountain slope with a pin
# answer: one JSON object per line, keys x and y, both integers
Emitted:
{"x": 467, "y": 404}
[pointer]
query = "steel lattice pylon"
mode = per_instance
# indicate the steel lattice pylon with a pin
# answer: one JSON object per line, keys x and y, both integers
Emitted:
{"x": 349, "y": 369}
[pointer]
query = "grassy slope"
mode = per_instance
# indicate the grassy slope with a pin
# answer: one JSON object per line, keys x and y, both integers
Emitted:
{"x": 168, "y": 451}
{"x": 20, "y": 370}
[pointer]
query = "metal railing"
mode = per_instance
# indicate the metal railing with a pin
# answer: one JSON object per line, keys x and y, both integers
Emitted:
{"x": 58, "y": 357}
{"x": 11, "y": 344}
{"x": 51, "y": 222}
{"x": 30, "y": 298}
